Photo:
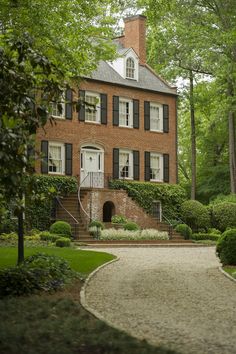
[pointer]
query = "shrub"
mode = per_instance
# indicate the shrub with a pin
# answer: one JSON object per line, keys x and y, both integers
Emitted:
{"x": 171, "y": 196}
{"x": 195, "y": 214}
{"x": 118, "y": 219}
{"x": 184, "y": 230}
{"x": 224, "y": 198}
{"x": 131, "y": 226}
{"x": 153, "y": 234}
{"x": 226, "y": 247}
{"x": 204, "y": 236}
{"x": 32, "y": 238}
{"x": 47, "y": 236}
{"x": 40, "y": 272}
{"x": 61, "y": 228}
{"x": 146, "y": 234}
{"x": 224, "y": 215}
{"x": 63, "y": 242}
{"x": 214, "y": 231}
{"x": 97, "y": 224}
{"x": 95, "y": 232}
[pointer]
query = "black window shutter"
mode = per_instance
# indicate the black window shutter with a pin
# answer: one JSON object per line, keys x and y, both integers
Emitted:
{"x": 68, "y": 159}
{"x": 147, "y": 166}
{"x": 44, "y": 160}
{"x": 81, "y": 105}
{"x": 166, "y": 174}
{"x": 103, "y": 99}
{"x": 136, "y": 114}
{"x": 116, "y": 110}
{"x": 116, "y": 163}
{"x": 69, "y": 99}
{"x": 165, "y": 118}
{"x": 136, "y": 164}
{"x": 146, "y": 115}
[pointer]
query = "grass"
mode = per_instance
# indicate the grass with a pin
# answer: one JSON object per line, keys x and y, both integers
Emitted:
{"x": 81, "y": 261}
{"x": 230, "y": 270}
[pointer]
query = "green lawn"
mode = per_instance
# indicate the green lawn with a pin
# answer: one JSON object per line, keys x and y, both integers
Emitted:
{"x": 230, "y": 270}
{"x": 81, "y": 261}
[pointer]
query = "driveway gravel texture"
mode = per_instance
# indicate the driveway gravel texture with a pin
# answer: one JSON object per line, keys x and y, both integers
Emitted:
{"x": 173, "y": 297}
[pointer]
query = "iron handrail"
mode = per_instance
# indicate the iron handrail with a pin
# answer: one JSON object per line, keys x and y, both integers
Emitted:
{"x": 61, "y": 205}
{"x": 80, "y": 202}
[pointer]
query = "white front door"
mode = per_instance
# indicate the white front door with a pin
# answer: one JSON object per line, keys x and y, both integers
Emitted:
{"x": 91, "y": 168}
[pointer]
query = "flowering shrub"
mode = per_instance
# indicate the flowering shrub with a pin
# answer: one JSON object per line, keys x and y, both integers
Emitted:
{"x": 146, "y": 234}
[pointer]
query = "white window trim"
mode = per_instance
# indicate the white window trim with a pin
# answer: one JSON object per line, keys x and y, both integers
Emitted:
{"x": 156, "y": 154}
{"x": 131, "y": 167}
{"x": 130, "y": 101}
{"x": 132, "y": 69}
{"x": 62, "y": 146}
{"x": 63, "y": 104}
{"x": 160, "y": 106}
{"x": 98, "y": 107}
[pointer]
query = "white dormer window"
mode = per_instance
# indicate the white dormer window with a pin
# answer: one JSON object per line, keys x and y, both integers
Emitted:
{"x": 130, "y": 68}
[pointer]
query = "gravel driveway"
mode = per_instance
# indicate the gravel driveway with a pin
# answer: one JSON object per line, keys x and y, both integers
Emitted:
{"x": 174, "y": 297}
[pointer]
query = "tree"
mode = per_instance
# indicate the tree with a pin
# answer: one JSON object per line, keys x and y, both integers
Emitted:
{"x": 199, "y": 36}
{"x": 43, "y": 45}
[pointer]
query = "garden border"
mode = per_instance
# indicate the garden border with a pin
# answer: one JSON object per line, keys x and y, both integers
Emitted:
{"x": 226, "y": 274}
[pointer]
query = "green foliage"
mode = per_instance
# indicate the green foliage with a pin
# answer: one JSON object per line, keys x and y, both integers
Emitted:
{"x": 205, "y": 236}
{"x": 231, "y": 198}
{"x": 97, "y": 223}
{"x": 61, "y": 228}
{"x": 118, "y": 219}
{"x": 214, "y": 231}
{"x": 47, "y": 236}
{"x": 224, "y": 215}
{"x": 131, "y": 226}
{"x": 195, "y": 215}
{"x": 134, "y": 235}
{"x": 184, "y": 230}
{"x": 145, "y": 193}
{"x": 40, "y": 272}
{"x": 63, "y": 242}
{"x": 226, "y": 247}
{"x": 38, "y": 211}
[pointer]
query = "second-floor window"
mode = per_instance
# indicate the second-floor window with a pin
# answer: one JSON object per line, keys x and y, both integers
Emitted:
{"x": 130, "y": 68}
{"x": 58, "y": 108}
{"x": 92, "y": 108}
{"x": 156, "y": 117}
{"x": 125, "y": 112}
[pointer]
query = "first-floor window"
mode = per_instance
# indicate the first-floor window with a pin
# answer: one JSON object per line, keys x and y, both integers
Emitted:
{"x": 125, "y": 112}
{"x": 56, "y": 157}
{"x": 156, "y": 167}
{"x": 126, "y": 164}
{"x": 92, "y": 109}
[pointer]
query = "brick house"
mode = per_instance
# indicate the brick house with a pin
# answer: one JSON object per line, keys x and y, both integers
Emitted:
{"x": 131, "y": 134}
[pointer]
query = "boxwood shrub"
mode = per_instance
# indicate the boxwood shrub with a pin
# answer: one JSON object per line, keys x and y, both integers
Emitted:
{"x": 184, "y": 230}
{"x": 47, "y": 236}
{"x": 224, "y": 215}
{"x": 61, "y": 228}
{"x": 63, "y": 242}
{"x": 195, "y": 214}
{"x": 131, "y": 226}
{"x": 39, "y": 212}
{"x": 226, "y": 247}
{"x": 205, "y": 236}
{"x": 145, "y": 193}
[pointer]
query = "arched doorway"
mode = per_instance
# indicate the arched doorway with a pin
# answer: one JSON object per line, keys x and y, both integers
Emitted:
{"x": 108, "y": 211}
{"x": 92, "y": 166}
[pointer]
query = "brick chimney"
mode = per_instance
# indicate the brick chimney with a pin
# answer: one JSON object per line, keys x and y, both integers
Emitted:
{"x": 135, "y": 35}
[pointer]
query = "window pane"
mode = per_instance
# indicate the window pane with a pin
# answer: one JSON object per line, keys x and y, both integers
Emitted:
{"x": 155, "y": 167}
{"x": 91, "y": 112}
{"x": 124, "y": 113}
{"x": 55, "y": 159}
{"x": 124, "y": 162}
{"x": 155, "y": 118}
{"x": 130, "y": 67}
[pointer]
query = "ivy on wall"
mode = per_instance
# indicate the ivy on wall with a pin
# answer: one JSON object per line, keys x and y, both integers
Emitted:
{"x": 171, "y": 196}
{"x": 38, "y": 210}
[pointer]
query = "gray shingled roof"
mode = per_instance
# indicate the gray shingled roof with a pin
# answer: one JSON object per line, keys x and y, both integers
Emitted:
{"x": 147, "y": 79}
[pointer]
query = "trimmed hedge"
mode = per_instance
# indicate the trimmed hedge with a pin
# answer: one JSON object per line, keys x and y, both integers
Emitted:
{"x": 63, "y": 242}
{"x": 145, "y": 193}
{"x": 61, "y": 228}
{"x": 47, "y": 236}
{"x": 226, "y": 247}
{"x": 131, "y": 226}
{"x": 224, "y": 215}
{"x": 38, "y": 213}
{"x": 205, "y": 236}
{"x": 184, "y": 230}
{"x": 195, "y": 214}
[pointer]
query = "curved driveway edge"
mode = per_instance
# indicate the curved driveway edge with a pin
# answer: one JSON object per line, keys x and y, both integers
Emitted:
{"x": 226, "y": 274}
{"x": 172, "y": 297}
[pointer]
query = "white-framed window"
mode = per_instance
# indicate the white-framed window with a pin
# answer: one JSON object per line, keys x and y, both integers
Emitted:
{"x": 125, "y": 112}
{"x": 92, "y": 111}
{"x": 56, "y": 158}
{"x": 156, "y": 167}
{"x": 58, "y": 108}
{"x": 130, "y": 68}
{"x": 126, "y": 164}
{"x": 156, "y": 117}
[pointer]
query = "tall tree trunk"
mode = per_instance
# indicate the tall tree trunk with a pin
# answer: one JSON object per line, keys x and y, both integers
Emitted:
{"x": 232, "y": 152}
{"x": 20, "y": 238}
{"x": 193, "y": 137}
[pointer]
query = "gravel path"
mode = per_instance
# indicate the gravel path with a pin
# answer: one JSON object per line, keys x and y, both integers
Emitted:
{"x": 174, "y": 297}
